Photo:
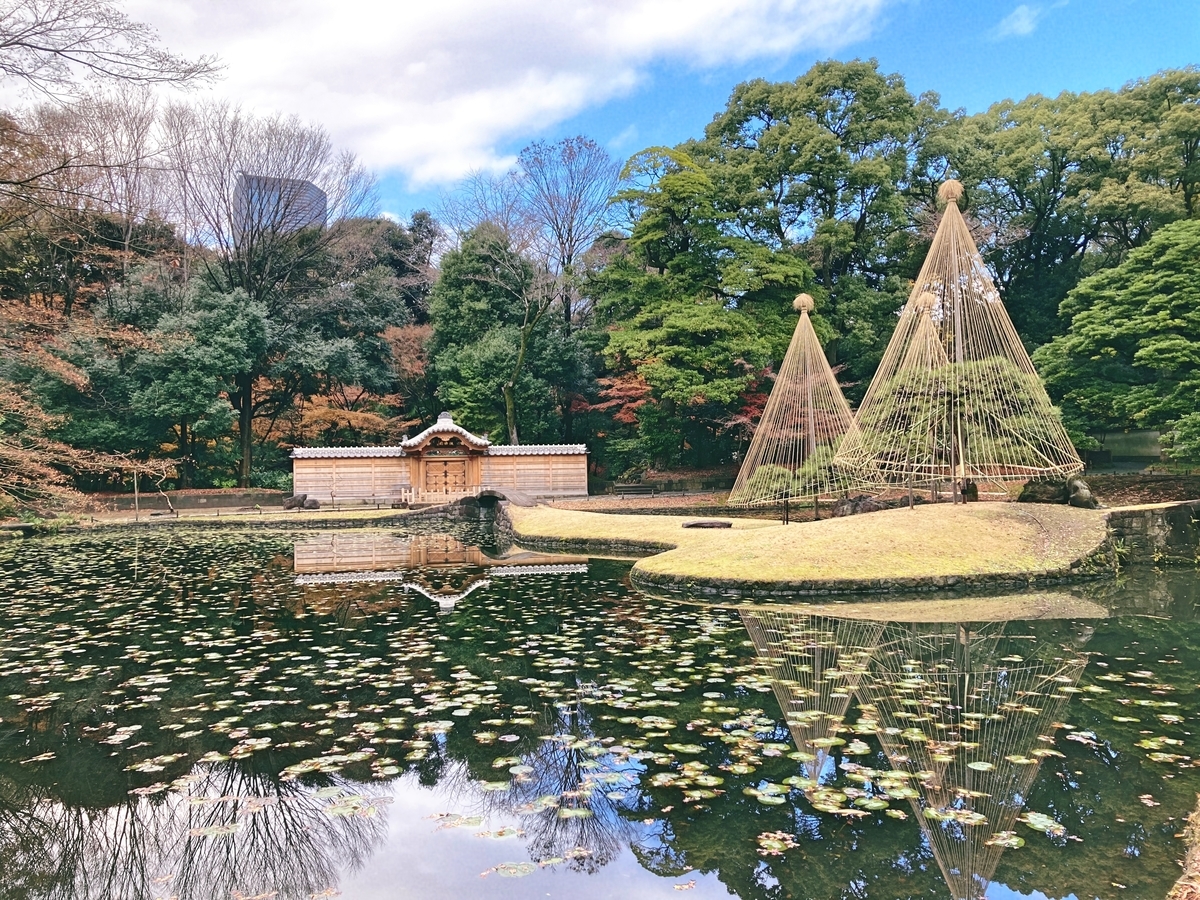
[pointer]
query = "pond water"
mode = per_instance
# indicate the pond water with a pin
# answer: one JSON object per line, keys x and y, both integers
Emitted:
{"x": 219, "y": 714}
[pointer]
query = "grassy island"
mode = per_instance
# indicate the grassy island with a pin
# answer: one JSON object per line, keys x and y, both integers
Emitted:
{"x": 930, "y": 546}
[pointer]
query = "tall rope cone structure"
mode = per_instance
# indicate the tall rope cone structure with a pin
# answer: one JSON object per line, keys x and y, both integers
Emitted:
{"x": 956, "y": 397}
{"x": 805, "y": 419}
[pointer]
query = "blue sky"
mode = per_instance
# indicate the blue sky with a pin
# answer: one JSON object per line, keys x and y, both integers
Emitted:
{"x": 958, "y": 49}
{"x": 423, "y": 93}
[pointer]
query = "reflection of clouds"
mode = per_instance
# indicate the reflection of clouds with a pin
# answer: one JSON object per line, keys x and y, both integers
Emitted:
{"x": 571, "y": 771}
{"x": 153, "y": 846}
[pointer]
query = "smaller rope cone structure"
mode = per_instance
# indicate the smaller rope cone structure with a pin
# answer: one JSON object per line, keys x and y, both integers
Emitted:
{"x": 956, "y": 397}
{"x": 805, "y": 419}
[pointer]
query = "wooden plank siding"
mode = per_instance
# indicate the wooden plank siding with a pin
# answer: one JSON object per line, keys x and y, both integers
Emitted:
{"x": 383, "y": 479}
{"x": 542, "y": 475}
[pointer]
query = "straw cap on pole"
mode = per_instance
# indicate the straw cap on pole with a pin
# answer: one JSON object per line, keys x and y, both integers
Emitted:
{"x": 803, "y": 303}
{"x": 951, "y": 191}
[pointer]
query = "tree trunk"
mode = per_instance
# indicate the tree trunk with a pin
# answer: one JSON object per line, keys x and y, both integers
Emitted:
{"x": 510, "y": 401}
{"x": 245, "y": 392}
{"x": 510, "y": 413}
{"x": 185, "y": 453}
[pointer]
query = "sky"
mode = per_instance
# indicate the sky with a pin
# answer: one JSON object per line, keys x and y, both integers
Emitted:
{"x": 426, "y": 92}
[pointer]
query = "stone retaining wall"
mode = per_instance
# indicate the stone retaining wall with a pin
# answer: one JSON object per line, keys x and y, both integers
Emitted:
{"x": 1160, "y": 534}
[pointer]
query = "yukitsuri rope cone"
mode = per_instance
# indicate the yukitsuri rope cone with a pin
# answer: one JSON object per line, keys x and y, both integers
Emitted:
{"x": 959, "y": 713}
{"x": 815, "y": 664}
{"x": 805, "y": 419}
{"x": 955, "y": 398}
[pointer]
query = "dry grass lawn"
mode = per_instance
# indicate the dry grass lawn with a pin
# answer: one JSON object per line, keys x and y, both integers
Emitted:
{"x": 942, "y": 540}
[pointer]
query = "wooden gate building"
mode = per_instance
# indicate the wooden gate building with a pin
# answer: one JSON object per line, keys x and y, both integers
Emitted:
{"x": 443, "y": 462}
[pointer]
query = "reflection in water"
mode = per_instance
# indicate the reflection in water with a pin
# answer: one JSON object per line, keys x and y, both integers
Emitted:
{"x": 568, "y": 790}
{"x": 815, "y": 664}
{"x": 437, "y": 566}
{"x": 135, "y": 716}
{"x": 964, "y": 713}
{"x": 220, "y": 831}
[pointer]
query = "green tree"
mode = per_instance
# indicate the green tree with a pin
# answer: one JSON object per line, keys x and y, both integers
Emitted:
{"x": 499, "y": 361}
{"x": 1067, "y": 185}
{"x": 1131, "y": 357}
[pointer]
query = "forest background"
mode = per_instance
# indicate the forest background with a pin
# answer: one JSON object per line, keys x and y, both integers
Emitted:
{"x": 640, "y": 306}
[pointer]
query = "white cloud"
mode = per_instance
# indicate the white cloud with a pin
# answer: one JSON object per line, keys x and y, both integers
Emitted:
{"x": 430, "y": 89}
{"x": 1021, "y": 21}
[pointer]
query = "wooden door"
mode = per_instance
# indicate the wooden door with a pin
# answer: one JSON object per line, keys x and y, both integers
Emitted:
{"x": 446, "y": 476}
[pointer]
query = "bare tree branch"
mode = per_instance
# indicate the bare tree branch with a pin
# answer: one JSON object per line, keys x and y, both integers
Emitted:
{"x": 49, "y": 44}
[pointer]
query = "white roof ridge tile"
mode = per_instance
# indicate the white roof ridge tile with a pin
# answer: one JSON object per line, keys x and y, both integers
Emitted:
{"x": 344, "y": 452}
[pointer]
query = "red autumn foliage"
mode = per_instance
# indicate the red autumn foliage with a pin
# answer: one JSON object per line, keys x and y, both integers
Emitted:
{"x": 625, "y": 394}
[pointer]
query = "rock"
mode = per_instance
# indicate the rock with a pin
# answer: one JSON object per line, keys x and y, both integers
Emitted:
{"x": 970, "y": 491}
{"x": 310, "y": 503}
{"x": 1080, "y": 495}
{"x": 852, "y": 506}
{"x": 708, "y": 523}
{"x": 1044, "y": 492}
{"x": 295, "y": 502}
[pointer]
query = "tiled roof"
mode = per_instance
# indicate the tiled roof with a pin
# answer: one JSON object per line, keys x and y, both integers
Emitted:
{"x": 538, "y": 450}
{"x": 345, "y": 452}
{"x": 445, "y": 425}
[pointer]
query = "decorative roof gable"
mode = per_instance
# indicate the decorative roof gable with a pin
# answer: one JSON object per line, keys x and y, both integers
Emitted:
{"x": 445, "y": 426}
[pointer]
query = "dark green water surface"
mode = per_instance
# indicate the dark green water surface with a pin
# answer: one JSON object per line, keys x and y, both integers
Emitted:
{"x": 219, "y": 714}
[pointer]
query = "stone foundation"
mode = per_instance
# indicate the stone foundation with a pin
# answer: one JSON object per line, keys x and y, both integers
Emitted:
{"x": 1159, "y": 533}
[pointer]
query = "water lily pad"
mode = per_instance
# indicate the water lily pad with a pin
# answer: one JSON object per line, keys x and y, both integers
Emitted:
{"x": 1009, "y": 840}
{"x": 574, "y": 812}
{"x": 684, "y": 748}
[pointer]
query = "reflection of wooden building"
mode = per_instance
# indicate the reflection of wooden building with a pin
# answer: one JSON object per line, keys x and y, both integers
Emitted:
{"x": 438, "y": 566}
{"x": 443, "y": 462}
{"x": 358, "y": 552}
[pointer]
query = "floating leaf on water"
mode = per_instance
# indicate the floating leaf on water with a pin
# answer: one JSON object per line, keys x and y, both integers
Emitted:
{"x": 981, "y": 766}
{"x": 1009, "y": 840}
{"x": 512, "y": 869}
{"x": 508, "y": 831}
{"x": 1042, "y": 822}
{"x": 574, "y": 812}
{"x": 216, "y": 830}
{"x": 871, "y": 803}
{"x": 1019, "y": 760}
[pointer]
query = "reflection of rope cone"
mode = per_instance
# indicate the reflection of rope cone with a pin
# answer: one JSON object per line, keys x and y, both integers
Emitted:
{"x": 950, "y": 706}
{"x": 955, "y": 395}
{"x": 815, "y": 664}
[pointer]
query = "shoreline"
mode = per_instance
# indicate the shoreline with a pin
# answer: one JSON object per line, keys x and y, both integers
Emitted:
{"x": 924, "y": 550}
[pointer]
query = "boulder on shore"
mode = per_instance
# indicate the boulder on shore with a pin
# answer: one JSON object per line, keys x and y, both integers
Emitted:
{"x": 1073, "y": 490}
{"x": 295, "y": 502}
{"x": 1080, "y": 495}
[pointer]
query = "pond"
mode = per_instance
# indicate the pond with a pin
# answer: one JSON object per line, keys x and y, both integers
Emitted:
{"x": 411, "y": 713}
